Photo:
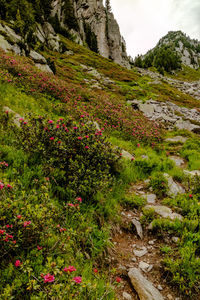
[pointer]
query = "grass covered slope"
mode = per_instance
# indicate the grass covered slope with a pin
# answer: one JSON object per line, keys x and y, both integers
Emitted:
{"x": 63, "y": 181}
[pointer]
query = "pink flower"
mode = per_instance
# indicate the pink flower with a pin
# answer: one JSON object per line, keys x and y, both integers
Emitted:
{"x": 1, "y": 186}
{"x": 50, "y": 121}
{"x": 87, "y": 136}
{"x": 138, "y": 145}
{"x": 19, "y": 217}
{"x": 75, "y": 128}
{"x": 86, "y": 147}
{"x": 70, "y": 204}
{"x": 80, "y": 138}
{"x": 9, "y": 186}
{"x": 21, "y": 119}
{"x": 190, "y": 195}
{"x": 118, "y": 279}
{"x": 49, "y": 278}
{"x": 39, "y": 248}
{"x": 62, "y": 229}
{"x": 79, "y": 199}
{"x": 59, "y": 142}
{"x": 18, "y": 263}
{"x": 77, "y": 279}
{"x": 26, "y": 223}
{"x": 95, "y": 270}
{"x": 51, "y": 138}
{"x": 69, "y": 269}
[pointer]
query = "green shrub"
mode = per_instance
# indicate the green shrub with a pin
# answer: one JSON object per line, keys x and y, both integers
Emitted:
{"x": 77, "y": 158}
{"x": 159, "y": 184}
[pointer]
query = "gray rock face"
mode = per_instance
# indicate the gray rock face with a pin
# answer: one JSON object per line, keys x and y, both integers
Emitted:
{"x": 143, "y": 287}
{"x": 4, "y": 44}
{"x": 92, "y": 12}
{"x": 169, "y": 113}
{"x": 192, "y": 173}
{"x": 164, "y": 212}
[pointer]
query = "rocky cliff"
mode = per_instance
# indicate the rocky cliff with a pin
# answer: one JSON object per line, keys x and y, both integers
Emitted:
{"x": 86, "y": 22}
{"x": 93, "y": 25}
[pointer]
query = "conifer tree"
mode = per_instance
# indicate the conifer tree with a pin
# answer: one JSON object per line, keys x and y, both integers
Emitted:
{"x": 108, "y": 6}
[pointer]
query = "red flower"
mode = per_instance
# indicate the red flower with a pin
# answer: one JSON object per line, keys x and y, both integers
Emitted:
{"x": 26, "y": 223}
{"x": 39, "y": 248}
{"x": 18, "y": 263}
{"x": 49, "y": 278}
{"x": 69, "y": 269}
{"x": 86, "y": 147}
{"x": 50, "y": 121}
{"x": 51, "y": 138}
{"x": 79, "y": 199}
{"x": 19, "y": 217}
{"x": 118, "y": 279}
{"x": 77, "y": 279}
{"x": 190, "y": 195}
{"x": 95, "y": 270}
{"x": 9, "y": 186}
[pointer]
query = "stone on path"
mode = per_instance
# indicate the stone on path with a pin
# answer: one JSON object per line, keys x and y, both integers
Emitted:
{"x": 138, "y": 227}
{"x": 145, "y": 266}
{"x": 178, "y": 160}
{"x": 151, "y": 198}
{"x": 177, "y": 139}
{"x": 174, "y": 188}
{"x": 143, "y": 287}
{"x": 164, "y": 212}
{"x": 192, "y": 173}
{"x": 140, "y": 252}
{"x": 127, "y": 296}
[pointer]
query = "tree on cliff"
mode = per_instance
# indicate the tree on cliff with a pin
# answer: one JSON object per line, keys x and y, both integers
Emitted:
{"x": 108, "y": 6}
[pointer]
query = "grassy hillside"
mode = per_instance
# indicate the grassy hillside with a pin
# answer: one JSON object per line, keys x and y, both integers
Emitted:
{"x": 64, "y": 181}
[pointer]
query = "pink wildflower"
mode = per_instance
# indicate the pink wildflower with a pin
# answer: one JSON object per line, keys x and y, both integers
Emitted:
{"x": 79, "y": 199}
{"x": 51, "y": 138}
{"x": 49, "y": 278}
{"x": 77, "y": 279}
{"x": 18, "y": 263}
{"x": 50, "y": 121}
{"x": 69, "y": 269}
{"x": 26, "y": 223}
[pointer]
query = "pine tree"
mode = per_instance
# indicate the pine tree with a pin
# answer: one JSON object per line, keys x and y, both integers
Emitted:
{"x": 108, "y": 6}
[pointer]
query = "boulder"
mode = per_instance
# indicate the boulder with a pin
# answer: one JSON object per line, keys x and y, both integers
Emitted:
{"x": 177, "y": 139}
{"x": 44, "y": 68}
{"x": 164, "y": 212}
{"x": 4, "y": 44}
{"x": 174, "y": 188}
{"x": 38, "y": 58}
{"x": 143, "y": 287}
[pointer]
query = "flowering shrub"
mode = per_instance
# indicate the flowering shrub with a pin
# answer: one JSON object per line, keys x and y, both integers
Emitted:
{"x": 77, "y": 157}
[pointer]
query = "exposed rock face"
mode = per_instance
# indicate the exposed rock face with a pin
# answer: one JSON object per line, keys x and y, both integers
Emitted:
{"x": 101, "y": 23}
{"x": 170, "y": 114}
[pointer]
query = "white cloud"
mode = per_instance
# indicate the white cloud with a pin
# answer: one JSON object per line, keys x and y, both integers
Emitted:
{"x": 144, "y": 22}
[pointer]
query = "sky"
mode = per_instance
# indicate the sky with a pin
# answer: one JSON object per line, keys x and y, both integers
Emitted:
{"x": 143, "y": 22}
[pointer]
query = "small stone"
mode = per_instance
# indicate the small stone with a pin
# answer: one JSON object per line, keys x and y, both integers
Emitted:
{"x": 151, "y": 198}
{"x": 145, "y": 266}
{"x": 175, "y": 239}
{"x": 134, "y": 259}
{"x": 151, "y": 242}
{"x": 127, "y": 296}
{"x": 138, "y": 227}
{"x": 159, "y": 287}
{"x": 169, "y": 296}
{"x": 141, "y": 252}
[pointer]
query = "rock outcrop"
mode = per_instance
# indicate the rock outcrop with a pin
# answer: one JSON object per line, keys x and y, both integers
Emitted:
{"x": 91, "y": 18}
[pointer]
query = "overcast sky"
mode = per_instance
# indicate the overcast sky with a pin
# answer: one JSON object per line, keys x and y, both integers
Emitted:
{"x": 144, "y": 22}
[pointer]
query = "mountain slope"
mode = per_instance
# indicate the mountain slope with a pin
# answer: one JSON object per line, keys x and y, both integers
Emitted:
{"x": 171, "y": 51}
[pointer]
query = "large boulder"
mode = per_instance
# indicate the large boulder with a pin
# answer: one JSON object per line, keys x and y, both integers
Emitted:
{"x": 143, "y": 287}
